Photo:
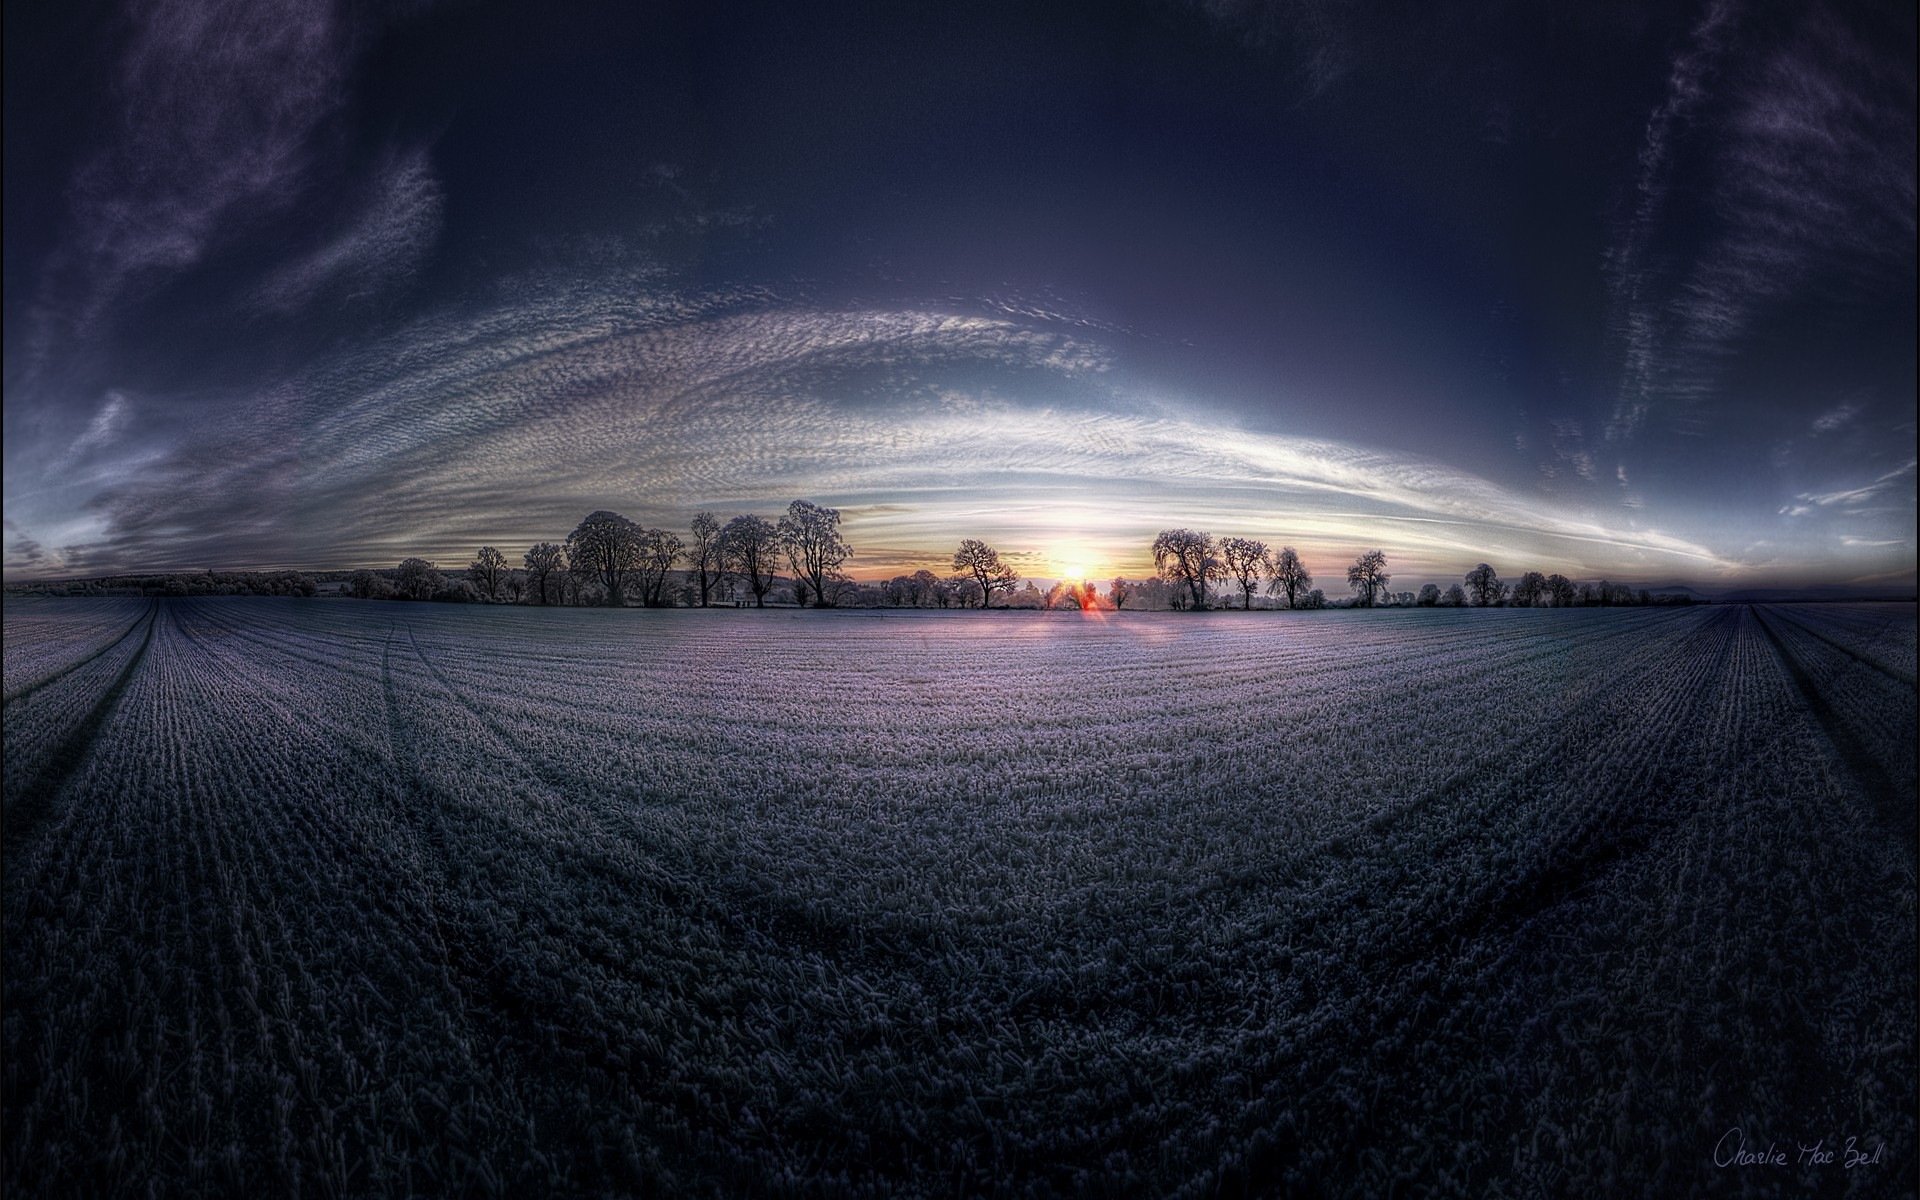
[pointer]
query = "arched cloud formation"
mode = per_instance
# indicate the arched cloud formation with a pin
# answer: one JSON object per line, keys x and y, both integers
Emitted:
{"x": 924, "y": 426}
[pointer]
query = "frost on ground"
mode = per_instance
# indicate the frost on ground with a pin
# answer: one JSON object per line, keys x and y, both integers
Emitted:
{"x": 353, "y": 898}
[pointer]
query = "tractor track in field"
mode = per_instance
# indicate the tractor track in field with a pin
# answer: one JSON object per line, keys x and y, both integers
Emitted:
{"x": 1854, "y": 753}
{"x": 28, "y": 689}
{"x": 29, "y": 807}
{"x": 1849, "y": 651}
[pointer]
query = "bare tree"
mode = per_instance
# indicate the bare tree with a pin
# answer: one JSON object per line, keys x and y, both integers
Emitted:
{"x": 1290, "y": 576}
{"x": 815, "y": 549}
{"x": 659, "y": 550}
{"x": 1527, "y": 592}
{"x": 485, "y": 571}
{"x": 1456, "y": 597}
{"x": 1429, "y": 595}
{"x": 750, "y": 548}
{"x": 1119, "y": 589}
{"x": 1485, "y": 586}
{"x": 1561, "y": 590}
{"x": 543, "y": 560}
{"x": 1368, "y": 577}
{"x": 417, "y": 580}
{"x": 606, "y": 548}
{"x": 1186, "y": 557}
{"x": 1246, "y": 561}
{"x": 982, "y": 562}
{"x": 926, "y": 588}
{"x": 703, "y": 554}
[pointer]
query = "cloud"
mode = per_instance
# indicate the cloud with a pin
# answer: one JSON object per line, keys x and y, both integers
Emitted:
{"x": 1835, "y": 418}
{"x": 1859, "y": 495}
{"x": 1632, "y": 274}
{"x": 377, "y": 244}
{"x": 101, "y": 430}
{"x": 217, "y": 102}
{"x": 504, "y": 427}
{"x": 23, "y": 553}
{"x": 1800, "y": 151}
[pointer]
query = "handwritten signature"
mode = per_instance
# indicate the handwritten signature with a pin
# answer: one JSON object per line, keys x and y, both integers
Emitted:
{"x": 1732, "y": 1150}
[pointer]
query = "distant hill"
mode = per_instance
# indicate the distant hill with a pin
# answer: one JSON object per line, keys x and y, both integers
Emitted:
{"x": 1828, "y": 592}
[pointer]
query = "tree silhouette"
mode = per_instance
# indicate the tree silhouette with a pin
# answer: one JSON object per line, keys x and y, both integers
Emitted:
{"x": 1246, "y": 560}
{"x": 417, "y": 580}
{"x": 542, "y": 560}
{"x": 485, "y": 571}
{"x": 810, "y": 534}
{"x": 1290, "y": 576}
{"x": 1186, "y": 557}
{"x": 605, "y": 547}
{"x": 703, "y": 553}
{"x": 1368, "y": 576}
{"x": 982, "y": 563}
{"x": 659, "y": 550}
{"x": 750, "y": 548}
{"x": 1485, "y": 586}
{"x": 1528, "y": 591}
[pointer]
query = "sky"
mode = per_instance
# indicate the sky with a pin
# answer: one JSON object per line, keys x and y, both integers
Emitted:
{"x": 1611, "y": 290}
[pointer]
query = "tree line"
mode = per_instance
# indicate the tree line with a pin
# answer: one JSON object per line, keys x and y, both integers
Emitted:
{"x": 798, "y": 559}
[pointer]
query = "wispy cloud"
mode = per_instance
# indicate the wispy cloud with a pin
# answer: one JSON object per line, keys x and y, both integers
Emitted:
{"x": 1859, "y": 495}
{"x": 1808, "y": 174}
{"x": 1835, "y": 418}
{"x": 381, "y": 241}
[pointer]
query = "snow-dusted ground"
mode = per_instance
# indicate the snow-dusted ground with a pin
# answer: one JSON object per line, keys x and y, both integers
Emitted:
{"x": 364, "y": 898}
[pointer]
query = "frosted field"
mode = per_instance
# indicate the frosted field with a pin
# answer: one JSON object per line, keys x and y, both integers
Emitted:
{"x": 349, "y": 898}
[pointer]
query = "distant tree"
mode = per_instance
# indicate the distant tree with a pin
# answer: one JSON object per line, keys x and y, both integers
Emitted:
{"x": 926, "y": 588}
{"x": 485, "y": 571}
{"x": 606, "y": 549}
{"x": 811, "y": 536}
{"x": 1027, "y": 597}
{"x": 416, "y": 579}
{"x": 703, "y": 554}
{"x": 515, "y": 586}
{"x": 1188, "y": 558}
{"x": 457, "y": 591}
{"x": 1456, "y": 597}
{"x": 1290, "y": 576}
{"x": 982, "y": 564}
{"x": 543, "y": 561}
{"x": 659, "y": 550}
{"x": 1485, "y": 586}
{"x": 1528, "y": 592}
{"x": 1067, "y": 593}
{"x": 1119, "y": 591}
{"x": 369, "y": 586}
{"x": 1246, "y": 560}
{"x": 1561, "y": 590}
{"x": 1314, "y": 599}
{"x": 1368, "y": 577}
{"x": 1429, "y": 595}
{"x": 750, "y": 548}
{"x": 964, "y": 591}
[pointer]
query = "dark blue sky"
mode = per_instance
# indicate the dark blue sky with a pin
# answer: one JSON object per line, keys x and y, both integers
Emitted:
{"x": 1598, "y": 289}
